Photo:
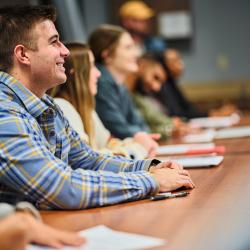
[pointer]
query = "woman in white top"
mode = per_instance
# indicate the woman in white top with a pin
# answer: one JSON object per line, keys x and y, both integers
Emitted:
{"x": 76, "y": 99}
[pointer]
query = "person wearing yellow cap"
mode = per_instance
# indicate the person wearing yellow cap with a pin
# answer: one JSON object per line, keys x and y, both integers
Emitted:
{"x": 136, "y": 9}
{"x": 135, "y": 16}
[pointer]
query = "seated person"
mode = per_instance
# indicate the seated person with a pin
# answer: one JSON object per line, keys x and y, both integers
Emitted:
{"x": 79, "y": 91}
{"x": 149, "y": 80}
{"x": 116, "y": 57}
{"x": 21, "y": 225}
{"x": 172, "y": 97}
{"x": 43, "y": 159}
{"x": 136, "y": 17}
{"x": 170, "y": 94}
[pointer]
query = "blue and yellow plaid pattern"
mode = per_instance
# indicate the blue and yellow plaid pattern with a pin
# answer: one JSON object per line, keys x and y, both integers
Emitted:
{"x": 44, "y": 161}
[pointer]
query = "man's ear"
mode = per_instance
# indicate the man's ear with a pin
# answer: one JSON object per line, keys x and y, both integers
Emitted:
{"x": 21, "y": 54}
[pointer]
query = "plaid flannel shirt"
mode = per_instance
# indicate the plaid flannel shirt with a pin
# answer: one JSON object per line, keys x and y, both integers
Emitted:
{"x": 44, "y": 161}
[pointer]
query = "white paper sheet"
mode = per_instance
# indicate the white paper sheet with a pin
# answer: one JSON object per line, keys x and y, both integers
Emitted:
{"x": 182, "y": 148}
{"x": 215, "y": 122}
{"x": 175, "y": 24}
{"x": 199, "y": 161}
{"x": 102, "y": 237}
{"x": 204, "y": 136}
{"x": 236, "y": 132}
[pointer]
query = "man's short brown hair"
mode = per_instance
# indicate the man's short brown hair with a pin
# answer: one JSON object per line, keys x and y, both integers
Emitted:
{"x": 16, "y": 25}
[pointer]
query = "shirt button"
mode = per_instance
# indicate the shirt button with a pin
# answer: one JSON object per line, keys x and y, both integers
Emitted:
{"x": 52, "y": 133}
{"x": 43, "y": 118}
{"x": 51, "y": 111}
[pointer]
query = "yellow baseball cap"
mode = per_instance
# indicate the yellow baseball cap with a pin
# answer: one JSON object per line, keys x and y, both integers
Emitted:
{"x": 136, "y": 9}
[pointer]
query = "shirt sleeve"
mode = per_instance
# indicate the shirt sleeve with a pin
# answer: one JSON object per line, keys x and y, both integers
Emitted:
{"x": 29, "y": 167}
{"x": 82, "y": 156}
{"x": 155, "y": 118}
{"x": 108, "y": 107}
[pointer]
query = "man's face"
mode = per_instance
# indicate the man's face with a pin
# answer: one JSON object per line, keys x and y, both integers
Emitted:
{"x": 46, "y": 62}
{"x": 152, "y": 74}
{"x": 137, "y": 26}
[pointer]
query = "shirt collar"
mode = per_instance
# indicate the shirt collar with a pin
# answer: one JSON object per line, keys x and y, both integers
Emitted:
{"x": 105, "y": 74}
{"x": 34, "y": 105}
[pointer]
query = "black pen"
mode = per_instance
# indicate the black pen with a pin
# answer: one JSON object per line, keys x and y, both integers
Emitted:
{"x": 168, "y": 195}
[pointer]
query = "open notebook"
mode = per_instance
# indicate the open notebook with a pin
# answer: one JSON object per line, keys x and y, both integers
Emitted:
{"x": 203, "y": 161}
{"x": 204, "y": 136}
{"x": 235, "y": 132}
{"x": 225, "y": 133}
{"x": 215, "y": 122}
{"x": 190, "y": 149}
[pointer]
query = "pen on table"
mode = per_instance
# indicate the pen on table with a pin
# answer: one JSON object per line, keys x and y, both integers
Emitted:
{"x": 168, "y": 195}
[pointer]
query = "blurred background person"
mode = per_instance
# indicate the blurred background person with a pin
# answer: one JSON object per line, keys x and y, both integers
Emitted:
{"x": 116, "y": 57}
{"x": 170, "y": 94}
{"x": 172, "y": 97}
{"x": 135, "y": 17}
{"x": 76, "y": 99}
{"x": 149, "y": 80}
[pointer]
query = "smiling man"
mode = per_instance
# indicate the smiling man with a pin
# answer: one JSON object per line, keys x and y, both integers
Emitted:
{"x": 43, "y": 160}
{"x": 39, "y": 66}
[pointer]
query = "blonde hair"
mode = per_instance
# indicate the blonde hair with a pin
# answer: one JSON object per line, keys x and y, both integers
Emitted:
{"x": 76, "y": 89}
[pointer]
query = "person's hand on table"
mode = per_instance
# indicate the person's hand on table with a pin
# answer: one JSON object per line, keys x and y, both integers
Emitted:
{"x": 20, "y": 229}
{"x": 148, "y": 142}
{"x": 171, "y": 176}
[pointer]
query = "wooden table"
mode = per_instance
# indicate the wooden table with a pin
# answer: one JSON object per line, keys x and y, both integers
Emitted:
{"x": 216, "y": 214}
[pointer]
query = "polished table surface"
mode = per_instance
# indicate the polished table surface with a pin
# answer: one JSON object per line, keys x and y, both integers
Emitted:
{"x": 216, "y": 214}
